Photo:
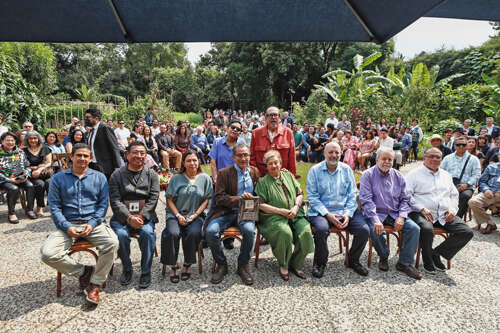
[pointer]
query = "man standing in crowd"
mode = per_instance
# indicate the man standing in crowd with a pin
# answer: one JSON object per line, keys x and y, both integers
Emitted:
{"x": 416, "y": 136}
{"x": 437, "y": 142}
{"x": 105, "y": 151}
{"x": 78, "y": 201}
{"x": 166, "y": 148}
{"x": 468, "y": 131}
{"x": 465, "y": 170}
{"x": 245, "y": 137}
{"x": 149, "y": 117}
{"x": 133, "y": 192}
{"x": 384, "y": 201}
{"x": 332, "y": 120}
{"x": 448, "y": 138}
{"x": 235, "y": 183}
{"x": 273, "y": 136}
{"x": 492, "y": 129}
{"x": 434, "y": 201}
{"x": 488, "y": 196}
{"x": 331, "y": 191}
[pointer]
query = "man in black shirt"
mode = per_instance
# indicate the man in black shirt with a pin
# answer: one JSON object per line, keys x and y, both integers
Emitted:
{"x": 437, "y": 142}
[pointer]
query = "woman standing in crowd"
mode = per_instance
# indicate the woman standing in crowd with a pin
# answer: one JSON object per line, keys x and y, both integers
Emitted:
{"x": 350, "y": 146}
{"x": 181, "y": 139}
{"x": 282, "y": 219}
{"x": 187, "y": 197}
{"x": 151, "y": 145}
{"x": 39, "y": 157}
{"x": 366, "y": 148}
{"x": 14, "y": 175}
{"x": 75, "y": 136}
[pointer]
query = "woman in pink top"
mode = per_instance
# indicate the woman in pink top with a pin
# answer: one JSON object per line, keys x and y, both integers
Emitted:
{"x": 350, "y": 146}
{"x": 366, "y": 148}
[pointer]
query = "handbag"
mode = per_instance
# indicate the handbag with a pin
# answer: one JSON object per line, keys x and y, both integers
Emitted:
{"x": 457, "y": 181}
{"x": 46, "y": 173}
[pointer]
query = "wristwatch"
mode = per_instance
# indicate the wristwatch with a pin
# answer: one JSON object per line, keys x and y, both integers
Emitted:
{"x": 177, "y": 215}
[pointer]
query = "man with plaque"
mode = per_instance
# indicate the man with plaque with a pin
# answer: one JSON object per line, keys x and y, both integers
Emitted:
{"x": 133, "y": 193}
{"x": 234, "y": 184}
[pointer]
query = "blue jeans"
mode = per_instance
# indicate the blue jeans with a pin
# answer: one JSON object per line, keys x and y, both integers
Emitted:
{"x": 217, "y": 226}
{"x": 411, "y": 234}
{"x": 147, "y": 241}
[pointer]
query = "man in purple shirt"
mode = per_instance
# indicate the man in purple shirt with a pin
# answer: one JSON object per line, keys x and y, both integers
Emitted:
{"x": 384, "y": 201}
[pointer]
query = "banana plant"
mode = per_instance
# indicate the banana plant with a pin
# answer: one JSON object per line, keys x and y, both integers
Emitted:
{"x": 493, "y": 104}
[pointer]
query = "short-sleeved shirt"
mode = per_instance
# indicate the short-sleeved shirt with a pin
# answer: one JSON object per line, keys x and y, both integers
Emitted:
{"x": 188, "y": 197}
{"x": 39, "y": 158}
{"x": 222, "y": 154}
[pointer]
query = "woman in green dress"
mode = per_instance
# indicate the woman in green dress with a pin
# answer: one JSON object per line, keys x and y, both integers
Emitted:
{"x": 187, "y": 197}
{"x": 282, "y": 220}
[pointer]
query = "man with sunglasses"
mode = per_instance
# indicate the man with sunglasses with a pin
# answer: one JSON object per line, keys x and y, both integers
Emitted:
{"x": 465, "y": 170}
{"x": 273, "y": 136}
{"x": 434, "y": 203}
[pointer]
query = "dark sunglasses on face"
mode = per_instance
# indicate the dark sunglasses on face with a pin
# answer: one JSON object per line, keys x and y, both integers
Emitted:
{"x": 236, "y": 128}
{"x": 460, "y": 144}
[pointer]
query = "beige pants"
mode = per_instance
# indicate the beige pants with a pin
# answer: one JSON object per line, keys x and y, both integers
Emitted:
{"x": 479, "y": 204}
{"x": 165, "y": 157}
{"x": 55, "y": 249}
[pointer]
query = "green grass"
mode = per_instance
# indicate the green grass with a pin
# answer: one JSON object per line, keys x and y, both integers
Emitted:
{"x": 302, "y": 170}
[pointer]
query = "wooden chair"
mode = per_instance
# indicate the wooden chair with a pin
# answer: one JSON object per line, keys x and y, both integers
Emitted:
{"x": 80, "y": 245}
{"x": 389, "y": 231}
{"x": 437, "y": 231}
{"x": 63, "y": 161}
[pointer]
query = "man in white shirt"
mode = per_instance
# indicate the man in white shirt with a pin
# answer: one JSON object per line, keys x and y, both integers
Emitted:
{"x": 155, "y": 129}
{"x": 434, "y": 203}
{"x": 385, "y": 142}
{"x": 332, "y": 120}
{"x": 122, "y": 134}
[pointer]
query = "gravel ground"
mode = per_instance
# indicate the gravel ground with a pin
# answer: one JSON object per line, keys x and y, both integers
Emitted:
{"x": 463, "y": 299}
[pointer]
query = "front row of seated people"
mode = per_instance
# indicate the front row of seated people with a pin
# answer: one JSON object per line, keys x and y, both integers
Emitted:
{"x": 414, "y": 204}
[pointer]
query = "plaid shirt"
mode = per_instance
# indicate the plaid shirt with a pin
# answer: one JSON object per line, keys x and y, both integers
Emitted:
{"x": 454, "y": 165}
{"x": 490, "y": 179}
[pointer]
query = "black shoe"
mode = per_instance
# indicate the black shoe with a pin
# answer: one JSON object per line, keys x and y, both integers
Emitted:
{"x": 126, "y": 277}
{"x": 13, "y": 221}
{"x": 229, "y": 243}
{"x": 245, "y": 276}
{"x": 219, "y": 273}
{"x": 145, "y": 281}
{"x": 383, "y": 265}
{"x": 318, "y": 271}
{"x": 358, "y": 268}
{"x": 437, "y": 263}
{"x": 430, "y": 268}
{"x": 409, "y": 270}
{"x": 186, "y": 275}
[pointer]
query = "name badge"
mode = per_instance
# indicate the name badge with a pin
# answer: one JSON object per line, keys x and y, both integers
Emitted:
{"x": 133, "y": 207}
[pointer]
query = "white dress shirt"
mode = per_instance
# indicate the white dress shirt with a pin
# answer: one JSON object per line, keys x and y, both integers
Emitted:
{"x": 93, "y": 134}
{"x": 333, "y": 121}
{"x": 432, "y": 190}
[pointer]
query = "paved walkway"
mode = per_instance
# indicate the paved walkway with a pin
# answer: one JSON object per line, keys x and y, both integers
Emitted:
{"x": 463, "y": 299}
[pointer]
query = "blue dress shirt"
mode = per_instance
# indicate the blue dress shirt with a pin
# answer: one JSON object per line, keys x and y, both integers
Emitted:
{"x": 222, "y": 154}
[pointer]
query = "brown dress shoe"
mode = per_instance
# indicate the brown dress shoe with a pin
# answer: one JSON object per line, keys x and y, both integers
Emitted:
{"x": 92, "y": 292}
{"x": 383, "y": 265}
{"x": 219, "y": 273}
{"x": 245, "y": 276}
{"x": 489, "y": 229}
{"x": 409, "y": 270}
{"x": 85, "y": 278}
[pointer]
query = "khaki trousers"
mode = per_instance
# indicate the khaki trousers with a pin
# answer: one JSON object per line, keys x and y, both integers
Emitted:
{"x": 479, "y": 204}
{"x": 55, "y": 249}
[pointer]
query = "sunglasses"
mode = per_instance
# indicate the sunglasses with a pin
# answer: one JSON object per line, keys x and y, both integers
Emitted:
{"x": 236, "y": 128}
{"x": 460, "y": 144}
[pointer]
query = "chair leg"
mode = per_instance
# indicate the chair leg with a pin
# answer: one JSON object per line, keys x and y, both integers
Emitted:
{"x": 58, "y": 289}
{"x": 257, "y": 249}
{"x": 370, "y": 250}
{"x": 449, "y": 264}
{"x": 164, "y": 270}
{"x": 111, "y": 270}
{"x": 340, "y": 243}
{"x": 347, "y": 249}
{"x": 200, "y": 256}
{"x": 156, "y": 252}
{"x": 22, "y": 199}
{"x": 417, "y": 260}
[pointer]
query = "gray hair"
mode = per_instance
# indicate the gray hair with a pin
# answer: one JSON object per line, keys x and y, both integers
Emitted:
{"x": 426, "y": 152}
{"x": 239, "y": 146}
{"x": 384, "y": 150}
{"x": 30, "y": 134}
{"x": 270, "y": 154}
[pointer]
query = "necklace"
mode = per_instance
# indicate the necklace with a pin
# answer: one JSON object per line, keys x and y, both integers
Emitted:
{"x": 190, "y": 177}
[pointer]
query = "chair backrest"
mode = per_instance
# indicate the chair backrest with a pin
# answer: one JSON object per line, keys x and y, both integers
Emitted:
{"x": 63, "y": 161}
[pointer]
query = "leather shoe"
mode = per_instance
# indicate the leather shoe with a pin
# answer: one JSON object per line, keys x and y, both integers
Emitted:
{"x": 489, "y": 229}
{"x": 298, "y": 274}
{"x": 218, "y": 275}
{"x": 92, "y": 293}
{"x": 245, "y": 275}
{"x": 409, "y": 270}
{"x": 383, "y": 265}
{"x": 358, "y": 268}
{"x": 229, "y": 243}
{"x": 13, "y": 221}
{"x": 126, "y": 277}
{"x": 84, "y": 279}
{"x": 145, "y": 281}
{"x": 437, "y": 263}
{"x": 318, "y": 271}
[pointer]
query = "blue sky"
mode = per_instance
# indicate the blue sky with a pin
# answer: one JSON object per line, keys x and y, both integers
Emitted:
{"x": 425, "y": 34}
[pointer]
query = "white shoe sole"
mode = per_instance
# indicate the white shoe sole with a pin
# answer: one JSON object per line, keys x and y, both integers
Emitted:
{"x": 88, "y": 299}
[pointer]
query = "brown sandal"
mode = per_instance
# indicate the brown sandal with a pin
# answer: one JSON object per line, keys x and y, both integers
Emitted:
{"x": 489, "y": 229}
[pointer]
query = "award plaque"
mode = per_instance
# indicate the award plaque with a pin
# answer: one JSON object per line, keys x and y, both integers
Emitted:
{"x": 248, "y": 210}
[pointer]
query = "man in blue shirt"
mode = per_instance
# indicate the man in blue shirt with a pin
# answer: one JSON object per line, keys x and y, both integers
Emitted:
{"x": 149, "y": 117}
{"x": 488, "y": 197}
{"x": 331, "y": 191}
{"x": 78, "y": 200}
{"x": 237, "y": 182}
{"x": 199, "y": 144}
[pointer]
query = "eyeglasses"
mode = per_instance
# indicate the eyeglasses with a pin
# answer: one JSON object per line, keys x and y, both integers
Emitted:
{"x": 460, "y": 144}
{"x": 236, "y": 128}
{"x": 242, "y": 155}
{"x": 273, "y": 115}
{"x": 433, "y": 157}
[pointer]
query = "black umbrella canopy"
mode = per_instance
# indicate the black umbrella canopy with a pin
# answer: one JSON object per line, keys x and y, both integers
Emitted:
{"x": 223, "y": 20}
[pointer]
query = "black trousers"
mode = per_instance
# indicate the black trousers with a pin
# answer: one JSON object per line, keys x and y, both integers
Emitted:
{"x": 170, "y": 239}
{"x": 463, "y": 199}
{"x": 460, "y": 235}
{"x": 40, "y": 187}
{"x": 13, "y": 194}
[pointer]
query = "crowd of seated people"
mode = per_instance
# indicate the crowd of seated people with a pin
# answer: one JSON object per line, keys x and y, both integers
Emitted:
{"x": 251, "y": 154}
